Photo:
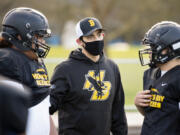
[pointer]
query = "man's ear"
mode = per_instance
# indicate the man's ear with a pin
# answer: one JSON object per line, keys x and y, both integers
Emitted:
{"x": 103, "y": 34}
{"x": 79, "y": 42}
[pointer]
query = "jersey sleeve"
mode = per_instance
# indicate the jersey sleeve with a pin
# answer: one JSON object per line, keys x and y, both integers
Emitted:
{"x": 179, "y": 91}
{"x": 59, "y": 88}
{"x": 15, "y": 105}
{"x": 176, "y": 88}
{"x": 119, "y": 121}
{"x": 9, "y": 67}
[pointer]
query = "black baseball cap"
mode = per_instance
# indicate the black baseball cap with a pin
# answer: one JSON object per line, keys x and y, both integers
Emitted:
{"x": 87, "y": 26}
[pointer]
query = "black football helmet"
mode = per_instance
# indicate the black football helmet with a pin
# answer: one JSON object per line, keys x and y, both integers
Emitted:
{"x": 29, "y": 24}
{"x": 161, "y": 36}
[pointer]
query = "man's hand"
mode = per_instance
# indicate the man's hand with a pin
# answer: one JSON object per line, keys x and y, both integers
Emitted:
{"x": 142, "y": 98}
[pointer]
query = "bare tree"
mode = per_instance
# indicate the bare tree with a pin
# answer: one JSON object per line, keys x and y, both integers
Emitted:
{"x": 126, "y": 19}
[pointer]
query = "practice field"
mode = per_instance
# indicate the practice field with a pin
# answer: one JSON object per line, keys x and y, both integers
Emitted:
{"x": 127, "y": 60}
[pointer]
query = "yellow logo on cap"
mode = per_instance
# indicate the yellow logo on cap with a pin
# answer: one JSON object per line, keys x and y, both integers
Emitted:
{"x": 91, "y": 22}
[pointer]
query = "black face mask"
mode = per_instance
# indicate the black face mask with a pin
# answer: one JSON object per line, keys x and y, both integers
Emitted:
{"x": 95, "y": 47}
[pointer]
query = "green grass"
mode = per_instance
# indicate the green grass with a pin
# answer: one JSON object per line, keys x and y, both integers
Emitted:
{"x": 132, "y": 52}
{"x": 60, "y": 52}
{"x": 131, "y": 74}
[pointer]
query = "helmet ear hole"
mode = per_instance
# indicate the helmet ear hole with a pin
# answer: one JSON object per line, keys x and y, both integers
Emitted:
{"x": 28, "y": 25}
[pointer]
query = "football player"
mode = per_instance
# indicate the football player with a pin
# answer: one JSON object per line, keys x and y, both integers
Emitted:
{"x": 14, "y": 103}
{"x": 22, "y": 49}
{"x": 160, "y": 100}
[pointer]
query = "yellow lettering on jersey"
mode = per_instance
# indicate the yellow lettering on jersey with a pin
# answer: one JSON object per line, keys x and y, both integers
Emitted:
{"x": 39, "y": 76}
{"x": 42, "y": 83}
{"x": 91, "y": 22}
{"x": 41, "y": 79}
{"x": 153, "y": 97}
{"x": 155, "y": 90}
{"x": 161, "y": 98}
{"x": 40, "y": 70}
{"x": 158, "y": 98}
{"x": 155, "y": 104}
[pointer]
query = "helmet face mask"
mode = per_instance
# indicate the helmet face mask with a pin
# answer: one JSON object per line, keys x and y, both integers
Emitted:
{"x": 41, "y": 49}
{"x": 28, "y": 24}
{"x": 145, "y": 56}
{"x": 164, "y": 42}
{"x": 154, "y": 55}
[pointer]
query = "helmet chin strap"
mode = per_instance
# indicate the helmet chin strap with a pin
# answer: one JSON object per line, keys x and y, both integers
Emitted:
{"x": 41, "y": 49}
{"x": 40, "y": 53}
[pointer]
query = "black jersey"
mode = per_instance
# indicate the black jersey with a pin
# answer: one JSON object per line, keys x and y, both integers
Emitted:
{"x": 14, "y": 100}
{"x": 89, "y": 96}
{"x": 32, "y": 73}
{"x": 162, "y": 117}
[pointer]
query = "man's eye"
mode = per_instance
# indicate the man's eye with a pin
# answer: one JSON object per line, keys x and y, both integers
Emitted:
{"x": 90, "y": 37}
{"x": 99, "y": 34}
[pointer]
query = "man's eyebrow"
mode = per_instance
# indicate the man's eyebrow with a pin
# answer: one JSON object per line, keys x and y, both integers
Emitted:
{"x": 99, "y": 31}
{"x": 90, "y": 35}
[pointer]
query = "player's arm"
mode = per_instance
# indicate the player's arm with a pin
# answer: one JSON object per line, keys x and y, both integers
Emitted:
{"x": 119, "y": 121}
{"x": 8, "y": 67}
{"x": 53, "y": 130}
{"x": 59, "y": 87}
{"x": 16, "y": 100}
{"x": 142, "y": 100}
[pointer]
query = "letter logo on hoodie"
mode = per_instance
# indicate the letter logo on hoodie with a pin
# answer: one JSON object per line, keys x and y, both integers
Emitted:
{"x": 95, "y": 83}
